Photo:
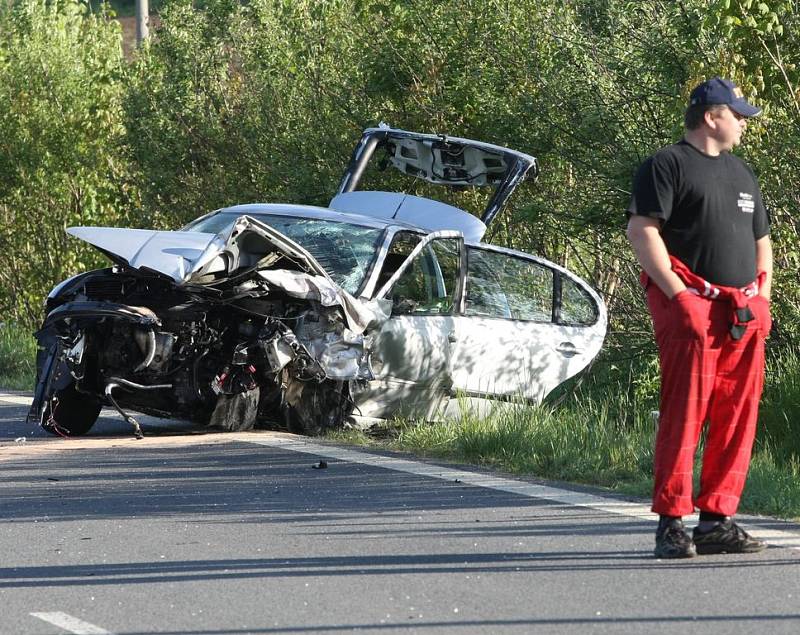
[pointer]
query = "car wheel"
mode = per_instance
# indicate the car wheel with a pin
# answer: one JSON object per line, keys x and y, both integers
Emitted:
{"x": 74, "y": 413}
{"x": 322, "y": 407}
{"x": 235, "y": 413}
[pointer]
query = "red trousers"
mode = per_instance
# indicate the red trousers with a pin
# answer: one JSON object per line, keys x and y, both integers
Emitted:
{"x": 706, "y": 377}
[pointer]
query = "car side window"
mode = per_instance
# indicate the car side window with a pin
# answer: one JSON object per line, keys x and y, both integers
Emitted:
{"x": 504, "y": 286}
{"x": 401, "y": 247}
{"x": 577, "y": 307}
{"x": 428, "y": 286}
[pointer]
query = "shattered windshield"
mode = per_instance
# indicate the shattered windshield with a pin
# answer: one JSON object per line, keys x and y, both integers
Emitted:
{"x": 344, "y": 250}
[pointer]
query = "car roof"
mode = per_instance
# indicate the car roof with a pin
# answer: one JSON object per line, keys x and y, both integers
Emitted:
{"x": 312, "y": 211}
{"x": 325, "y": 213}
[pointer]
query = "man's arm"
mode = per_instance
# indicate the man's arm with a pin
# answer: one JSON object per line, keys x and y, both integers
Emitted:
{"x": 644, "y": 234}
{"x": 764, "y": 263}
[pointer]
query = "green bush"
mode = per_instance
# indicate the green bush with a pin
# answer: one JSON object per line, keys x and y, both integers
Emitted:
{"x": 263, "y": 101}
{"x": 235, "y": 102}
{"x": 17, "y": 357}
{"x": 60, "y": 125}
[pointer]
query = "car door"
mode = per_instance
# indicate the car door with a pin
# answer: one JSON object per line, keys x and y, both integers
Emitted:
{"x": 528, "y": 325}
{"x": 411, "y": 353}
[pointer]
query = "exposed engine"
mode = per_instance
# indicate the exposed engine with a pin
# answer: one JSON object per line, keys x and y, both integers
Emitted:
{"x": 225, "y": 350}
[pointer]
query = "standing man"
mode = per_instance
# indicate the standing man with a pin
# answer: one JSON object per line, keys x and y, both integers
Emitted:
{"x": 701, "y": 234}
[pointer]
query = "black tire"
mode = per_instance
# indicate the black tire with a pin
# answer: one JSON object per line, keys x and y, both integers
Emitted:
{"x": 322, "y": 407}
{"x": 74, "y": 414}
{"x": 236, "y": 413}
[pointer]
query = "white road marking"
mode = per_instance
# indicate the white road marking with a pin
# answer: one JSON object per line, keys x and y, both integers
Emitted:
{"x": 71, "y": 624}
{"x": 775, "y": 537}
{"x": 16, "y": 400}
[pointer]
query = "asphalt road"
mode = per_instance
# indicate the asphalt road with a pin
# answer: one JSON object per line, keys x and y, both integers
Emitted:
{"x": 191, "y": 533}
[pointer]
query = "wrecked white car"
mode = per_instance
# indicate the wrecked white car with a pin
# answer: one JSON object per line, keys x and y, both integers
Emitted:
{"x": 381, "y": 305}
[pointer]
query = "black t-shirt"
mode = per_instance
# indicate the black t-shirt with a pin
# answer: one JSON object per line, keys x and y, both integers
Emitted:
{"x": 710, "y": 207}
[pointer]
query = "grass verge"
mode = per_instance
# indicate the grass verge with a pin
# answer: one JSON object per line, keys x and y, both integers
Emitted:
{"x": 570, "y": 443}
{"x": 601, "y": 433}
{"x": 17, "y": 357}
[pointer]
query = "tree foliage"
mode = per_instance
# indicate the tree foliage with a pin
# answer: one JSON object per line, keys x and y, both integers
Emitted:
{"x": 61, "y": 83}
{"x": 263, "y": 101}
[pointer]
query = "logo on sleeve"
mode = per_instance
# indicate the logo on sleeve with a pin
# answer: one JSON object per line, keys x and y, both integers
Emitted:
{"x": 746, "y": 203}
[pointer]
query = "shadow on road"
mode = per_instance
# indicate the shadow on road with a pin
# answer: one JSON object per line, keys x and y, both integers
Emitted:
{"x": 340, "y": 566}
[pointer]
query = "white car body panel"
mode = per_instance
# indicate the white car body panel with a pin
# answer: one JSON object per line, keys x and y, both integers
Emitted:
{"x": 497, "y": 357}
{"x": 410, "y": 362}
{"x": 358, "y": 314}
{"x": 411, "y": 356}
{"x": 421, "y": 212}
{"x": 181, "y": 254}
{"x": 511, "y": 358}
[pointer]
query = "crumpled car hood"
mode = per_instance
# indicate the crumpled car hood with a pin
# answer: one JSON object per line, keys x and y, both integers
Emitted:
{"x": 172, "y": 253}
{"x": 182, "y": 254}
{"x": 187, "y": 257}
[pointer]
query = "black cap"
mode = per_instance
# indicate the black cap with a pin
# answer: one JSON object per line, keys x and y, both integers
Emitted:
{"x": 722, "y": 91}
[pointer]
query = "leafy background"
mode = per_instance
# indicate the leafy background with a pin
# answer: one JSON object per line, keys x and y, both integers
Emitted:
{"x": 263, "y": 100}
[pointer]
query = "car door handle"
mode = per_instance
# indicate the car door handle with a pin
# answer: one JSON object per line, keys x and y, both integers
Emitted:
{"x": 451, "y": 337}
{"x": 568, "y": 349}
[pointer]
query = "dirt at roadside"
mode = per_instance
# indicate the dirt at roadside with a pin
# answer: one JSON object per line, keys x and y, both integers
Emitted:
{"x": 52, "y": 446}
